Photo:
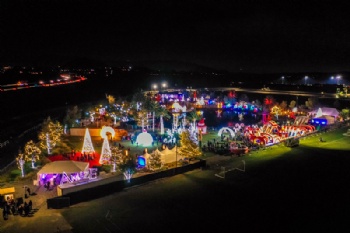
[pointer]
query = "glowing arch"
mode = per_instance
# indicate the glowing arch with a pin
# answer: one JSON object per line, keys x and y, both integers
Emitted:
{"x": 225, "y": 129}
{"x": 105, "y": 130}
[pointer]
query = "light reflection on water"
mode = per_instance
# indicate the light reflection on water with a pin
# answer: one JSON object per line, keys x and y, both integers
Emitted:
{"x": 221, "y": 118}
{"x": 224, "y": 117}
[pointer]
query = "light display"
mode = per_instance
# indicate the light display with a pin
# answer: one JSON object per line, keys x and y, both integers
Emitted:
{"x": 105, "y": 130}
{"x": 188, "y": 147}
{"x": 50, "y": 134}
{"x": 144, "y": 139}
{"x": 106, "y": 152}
{"x": 226, "y": 130}
{"x": 31, "y": 152}
{"x": 87, "y": 146}
{"x": 20, "y": 162}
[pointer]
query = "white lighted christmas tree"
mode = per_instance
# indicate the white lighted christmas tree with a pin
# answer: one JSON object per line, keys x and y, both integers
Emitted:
{"x": 188, "y": 147}
{"x": 87, "y": 146}
{"x": 106, "y": 151}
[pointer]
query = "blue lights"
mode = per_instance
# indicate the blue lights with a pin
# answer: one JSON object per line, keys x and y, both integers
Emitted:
{"x": 141, "y": 161}
{"x": 319, "y": 121}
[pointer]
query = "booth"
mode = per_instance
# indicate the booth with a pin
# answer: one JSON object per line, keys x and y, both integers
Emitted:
{"x": 7, "y": 193}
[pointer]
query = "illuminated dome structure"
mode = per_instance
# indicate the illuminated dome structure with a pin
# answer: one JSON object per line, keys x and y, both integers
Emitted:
{"x": 144, "y": 139}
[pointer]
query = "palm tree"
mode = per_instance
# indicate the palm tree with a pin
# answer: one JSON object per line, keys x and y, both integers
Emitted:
{"x": 162, "y": 113}
{"x": 151, "y": 106}
{"x": 194, "y": 117}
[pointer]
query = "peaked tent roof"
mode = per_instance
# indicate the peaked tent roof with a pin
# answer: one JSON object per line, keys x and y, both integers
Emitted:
{"x": 69, "y": 166}
{"x": 327, "y": 112}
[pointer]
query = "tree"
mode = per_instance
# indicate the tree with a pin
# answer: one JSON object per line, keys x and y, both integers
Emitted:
{"x": 194, "y": 117}
{"x": 111, "y": 99}
{"x": 154, "y": 161}
{"x": 20, "y": 159}
{"x": 188, "y": 147}
{"x": 292, "y": 104}
{"x": 311, "y": 103}
{"x": 127, "y": 165}
{"x": 162, "y": 113}
{"x": 50, "y": 134}
{"x": 31, "y": 152}
{"x": 151, "y": 106}
{"x": 283, "y": 105}
{"x": 61, "y": 148}
{"x": 73, "y": 114}
{"x": 116, "y": 157}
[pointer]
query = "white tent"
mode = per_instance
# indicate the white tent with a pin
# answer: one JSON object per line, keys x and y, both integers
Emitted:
{"x": 168, "y": 156}
{"x": 326, "y": 112}
{"x": 330, "y": 114}
{"x": 67, "y": 167}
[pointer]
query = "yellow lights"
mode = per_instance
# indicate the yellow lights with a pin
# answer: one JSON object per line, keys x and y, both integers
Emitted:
{"x": 105, "y": 130}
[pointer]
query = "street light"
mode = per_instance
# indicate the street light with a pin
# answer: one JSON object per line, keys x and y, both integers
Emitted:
{"x": 155, "y": 86}
{"x": 282, "y": 79}
{"x": 164, "y": 85}
{"x": 306, "y": 77}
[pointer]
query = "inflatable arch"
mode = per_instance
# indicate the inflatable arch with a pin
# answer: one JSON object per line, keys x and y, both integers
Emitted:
{"x": 226, "y": 129}
{"x": 105, "y": 130}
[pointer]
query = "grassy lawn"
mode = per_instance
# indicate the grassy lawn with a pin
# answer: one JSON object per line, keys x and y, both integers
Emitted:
{"x": 299, "y": 189}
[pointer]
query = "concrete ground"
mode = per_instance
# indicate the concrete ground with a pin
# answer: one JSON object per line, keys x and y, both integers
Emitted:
{"x": 44, "y": 220}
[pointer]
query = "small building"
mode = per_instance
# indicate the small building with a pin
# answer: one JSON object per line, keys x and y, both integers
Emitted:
{"x": 7, "y": 193}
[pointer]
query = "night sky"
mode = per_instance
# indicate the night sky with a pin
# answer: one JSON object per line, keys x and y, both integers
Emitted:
{"x": 251, "y": 36}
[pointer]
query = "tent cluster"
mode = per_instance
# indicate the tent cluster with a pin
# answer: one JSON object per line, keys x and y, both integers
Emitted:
{"x": 165, "y": 156}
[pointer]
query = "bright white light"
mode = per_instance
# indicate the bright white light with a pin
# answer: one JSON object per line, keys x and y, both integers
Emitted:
{"x": 144, "y": 139}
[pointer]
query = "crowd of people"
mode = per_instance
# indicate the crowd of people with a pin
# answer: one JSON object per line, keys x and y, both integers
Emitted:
{"x": 17, "y": 207}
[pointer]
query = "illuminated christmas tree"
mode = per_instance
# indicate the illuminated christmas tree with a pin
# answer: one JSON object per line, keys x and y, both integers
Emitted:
{"x": 127, "y": 165}
{"x": 116, "y": 157}
{"x": 188, "y": 148}
{"x": 50, "y": 134}
{"x": 154, "y": 161}
{"x": 31, "y": 152}
{"x": 106, "y": 152}
{"x": 87, "y": 146}
{"x": 20, "y": 162}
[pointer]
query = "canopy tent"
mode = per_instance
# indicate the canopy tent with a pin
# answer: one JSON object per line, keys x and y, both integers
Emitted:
{"x": 68, "y": 167}
{"x": 168, "y": 156}
{"x": 325, "y": 112}
{"x": 330, "y": 114}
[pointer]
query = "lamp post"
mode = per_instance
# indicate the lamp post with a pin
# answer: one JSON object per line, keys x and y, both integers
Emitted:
{"x": 306, "y": 77}
{"x": 164, "y": 85}
{"x": 154, "y": 86}
{"x": 282, "y": 79}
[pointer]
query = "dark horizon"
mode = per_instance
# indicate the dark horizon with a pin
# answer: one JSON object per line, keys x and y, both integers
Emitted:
{"x": 233, "y": 36}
